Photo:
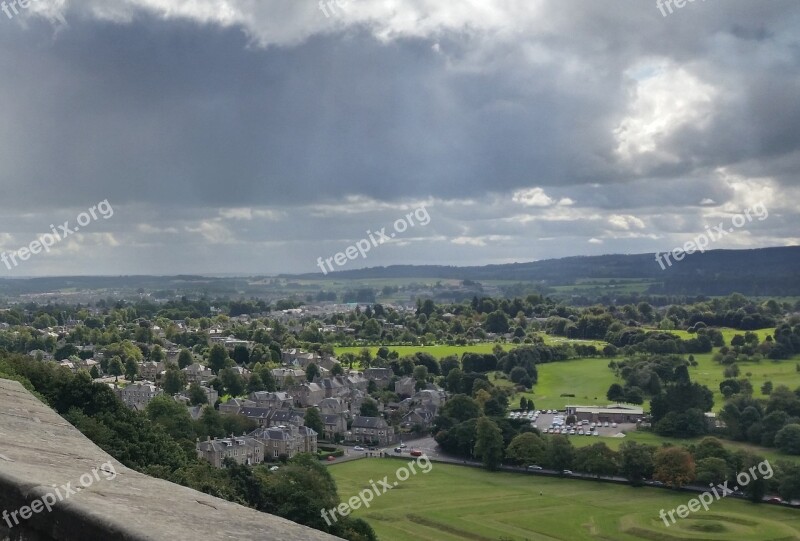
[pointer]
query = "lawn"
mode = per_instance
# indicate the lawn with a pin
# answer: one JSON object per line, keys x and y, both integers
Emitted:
{"x": 437, "y": 351}
{"x": 458, "y": 503}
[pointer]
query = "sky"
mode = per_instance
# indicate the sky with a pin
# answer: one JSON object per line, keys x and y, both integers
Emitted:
{"x": 265, "y": 136}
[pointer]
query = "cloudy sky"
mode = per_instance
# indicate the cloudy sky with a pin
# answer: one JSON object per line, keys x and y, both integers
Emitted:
{"x": 254, "y": 136}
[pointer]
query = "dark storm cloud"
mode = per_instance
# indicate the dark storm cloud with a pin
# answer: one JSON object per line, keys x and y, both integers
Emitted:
{"x": 255, "y": 139}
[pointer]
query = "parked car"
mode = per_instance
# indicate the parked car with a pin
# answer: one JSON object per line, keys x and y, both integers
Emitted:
{"x": 331, "y": 458}
{"x": 415, "y": 452}
{"x": 534, "y": 467}
{"x": 567, "y": 472}
{"x": 775, "y": 500}
{"x": 613, "y": 425}
{"x": 358, "y": 448}
{"x": 402, "y": 445}
{"x": 398, "y": 450}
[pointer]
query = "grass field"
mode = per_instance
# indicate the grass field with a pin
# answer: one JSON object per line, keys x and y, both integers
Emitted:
{"x": 436, "y": 351}
{"x": 457, "y": 503}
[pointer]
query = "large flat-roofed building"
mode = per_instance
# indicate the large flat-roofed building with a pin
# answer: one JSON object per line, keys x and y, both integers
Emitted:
{"x": 613, "y": 413}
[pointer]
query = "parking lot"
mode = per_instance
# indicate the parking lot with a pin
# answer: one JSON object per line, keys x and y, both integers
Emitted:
{"x": 544, "y": 421}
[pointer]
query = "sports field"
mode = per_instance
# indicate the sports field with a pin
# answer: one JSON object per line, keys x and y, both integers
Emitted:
{"x": 458, "y": 503}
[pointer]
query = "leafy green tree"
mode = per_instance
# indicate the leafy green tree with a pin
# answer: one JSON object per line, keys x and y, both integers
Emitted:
{"x": 232, "y": 382}
{"x": 312, "y": 372}
{"x": 241, "y": 355}
{"x": 712, "y": 471}
{"x": 636, "y": 462}
{"x": 313, "y": 420}
{"x": 174, "y": 381}
{"x": 94, "y": 372}
{"x": 131, "y": 370}
{"x": 560, "y": 453}
{"x": 369, "y": 408}
{"x": 597, "y": 460}
{"x": 185, "y": 359}
{"x": 616, "y": 393}
{"x": 489, "y": 443}
{"x": 526, "y": 449}
{"x": 115, "y": 367}
{"x": 197, "y": 395}
{"x": 218, "y": 358}
{"x": 461, "y": 408}
{"x": 788, "y": 439}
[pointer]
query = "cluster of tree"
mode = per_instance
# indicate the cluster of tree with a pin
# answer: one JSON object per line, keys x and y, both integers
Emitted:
{"x": 774, "y": 422}
{"x": 161, "y": 443}
{"x": 646, "y": 375}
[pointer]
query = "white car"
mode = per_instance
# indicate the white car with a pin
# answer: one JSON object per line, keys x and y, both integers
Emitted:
{"x": 613, "y": 425}
{"x": 358, "y": 448}
{"x": 605, "y": 424}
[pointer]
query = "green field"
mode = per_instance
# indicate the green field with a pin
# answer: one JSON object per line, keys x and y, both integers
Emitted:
{"x": 458, "y": 503}
{"x": 436, "y": 351}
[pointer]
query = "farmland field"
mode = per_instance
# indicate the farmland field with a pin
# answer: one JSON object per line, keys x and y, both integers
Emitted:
{"x": 458, "y": 503}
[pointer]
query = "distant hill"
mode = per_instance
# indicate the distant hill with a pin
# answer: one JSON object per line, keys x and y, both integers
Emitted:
{"x": 763, "y": 271}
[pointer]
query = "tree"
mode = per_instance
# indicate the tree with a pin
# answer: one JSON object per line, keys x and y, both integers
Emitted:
{"x": 461, "y": 408}
{"x": 131, "y": 370}
{"x": 337, "y": 370}
{"x": 616, "y": 393}
{"x": 174, "y": 381}
{"x": 766, "y": 388}
{"x": 241, "y": 355}
{"x": 218, "y": 358}
{"x": 674, "y": 466}
{"x": 94, "y": 372}
{"x": 312, "y": 372}
{"x": 712, "y": 471}
{"x": 518, "y": 374}
{"x": 489, "y": 443}
{"x": 313, "y": 420}
{"x": 185, "y": 359}
{"x": 560, "y": 454}
{"x": 115, "y": 367}
{"x": 636, "y": 461}
{"x": 526, "y": 449}
{"x": 497, "y": 322}
{"x": 788, "y": 439}
{"x": 197, "y": 395}
{"x": 369, "y": 408}
{"x": 597, "y": 460}
{"x": 232, "y": 382}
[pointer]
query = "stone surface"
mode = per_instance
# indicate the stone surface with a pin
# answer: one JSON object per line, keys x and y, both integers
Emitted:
{"x": 40, "y": 452}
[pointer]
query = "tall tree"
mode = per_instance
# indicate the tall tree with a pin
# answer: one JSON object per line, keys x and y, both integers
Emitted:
{"x": 674, "y": 466}
{"x": 489, "y": 443}
{"x": 313, "y": 420}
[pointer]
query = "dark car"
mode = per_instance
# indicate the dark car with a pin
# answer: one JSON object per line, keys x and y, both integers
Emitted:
{"x": 398, "y": 450}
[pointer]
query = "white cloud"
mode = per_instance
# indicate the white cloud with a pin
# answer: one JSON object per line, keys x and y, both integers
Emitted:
{"x": 533, "y": 197}
{"x": 625, "y": 222}
{"x": 662, "y": 102}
